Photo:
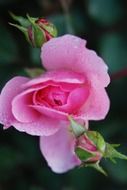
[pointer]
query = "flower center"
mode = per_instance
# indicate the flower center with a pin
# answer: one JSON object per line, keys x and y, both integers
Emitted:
{"x": 58, "y": 102}
{"x": 51, "y": 96}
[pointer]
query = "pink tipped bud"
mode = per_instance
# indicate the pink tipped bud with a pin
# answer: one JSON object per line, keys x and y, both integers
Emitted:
{"x": 86, "y": 150}
{"x": 36, "y": 30}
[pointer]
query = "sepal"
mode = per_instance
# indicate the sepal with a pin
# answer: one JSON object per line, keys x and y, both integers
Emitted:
{"x": 76, "y": 128}
{"x": 112, "y": 153}
{"x": 97, "y": 167}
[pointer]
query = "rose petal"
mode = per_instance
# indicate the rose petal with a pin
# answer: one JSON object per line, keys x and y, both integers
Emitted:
{"x": 23, "y": 102}
{"x": 95, "y": 65}
{"x": 69, "y": 53}
{"x": 44, "y": 126}
{"x": 10, "y": 90}
{"x": 97, "y": 105}
{"x": 56, "y": 76}
{"x": 21, "y": 107}
{"x": 50, "y": 112}
{"x": 75, "y": 100}
{"x": 58, "y": 150}
{"x": 62, "y": 53}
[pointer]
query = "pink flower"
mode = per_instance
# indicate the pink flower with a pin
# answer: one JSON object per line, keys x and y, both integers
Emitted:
{"x": 73, "y": 84}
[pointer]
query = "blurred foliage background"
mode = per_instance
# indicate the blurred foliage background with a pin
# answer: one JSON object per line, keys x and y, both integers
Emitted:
{"x": 103, "y": 23}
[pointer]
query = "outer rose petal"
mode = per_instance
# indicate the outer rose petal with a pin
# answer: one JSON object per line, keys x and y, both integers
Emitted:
{"x": 10, "y": 90}
{"x": 97, "y": 105}
{"x": 62, "y": 53}
{"x": 69, "y": 53}
{"x": 93, "y": 64}
{"x": 58, "y": 150}
{"x": 43, "y": 126}
{"x": 21, "y": 107}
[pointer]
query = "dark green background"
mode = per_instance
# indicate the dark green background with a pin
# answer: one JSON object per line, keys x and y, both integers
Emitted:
{"x": 103, "y": 23}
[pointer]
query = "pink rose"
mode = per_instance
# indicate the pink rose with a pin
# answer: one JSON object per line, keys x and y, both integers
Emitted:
{"x": 73, "y": 84}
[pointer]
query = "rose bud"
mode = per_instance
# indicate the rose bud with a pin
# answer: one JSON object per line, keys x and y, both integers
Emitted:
{"x": 90, "y": 147}
{"x": 36, "y": 30}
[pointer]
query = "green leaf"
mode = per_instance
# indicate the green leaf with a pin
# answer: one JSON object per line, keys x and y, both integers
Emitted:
{"x": 83, "y": 155}
{"x": 111, "y": 153}
{"x": 77, "y": 129}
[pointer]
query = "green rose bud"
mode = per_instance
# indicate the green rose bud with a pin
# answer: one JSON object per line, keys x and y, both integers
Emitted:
{"x": 36, "y": 30}
{"x": 90, "y": 147}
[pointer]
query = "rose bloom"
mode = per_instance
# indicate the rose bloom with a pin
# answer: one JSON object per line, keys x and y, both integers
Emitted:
{"x": 73, "y": 84}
